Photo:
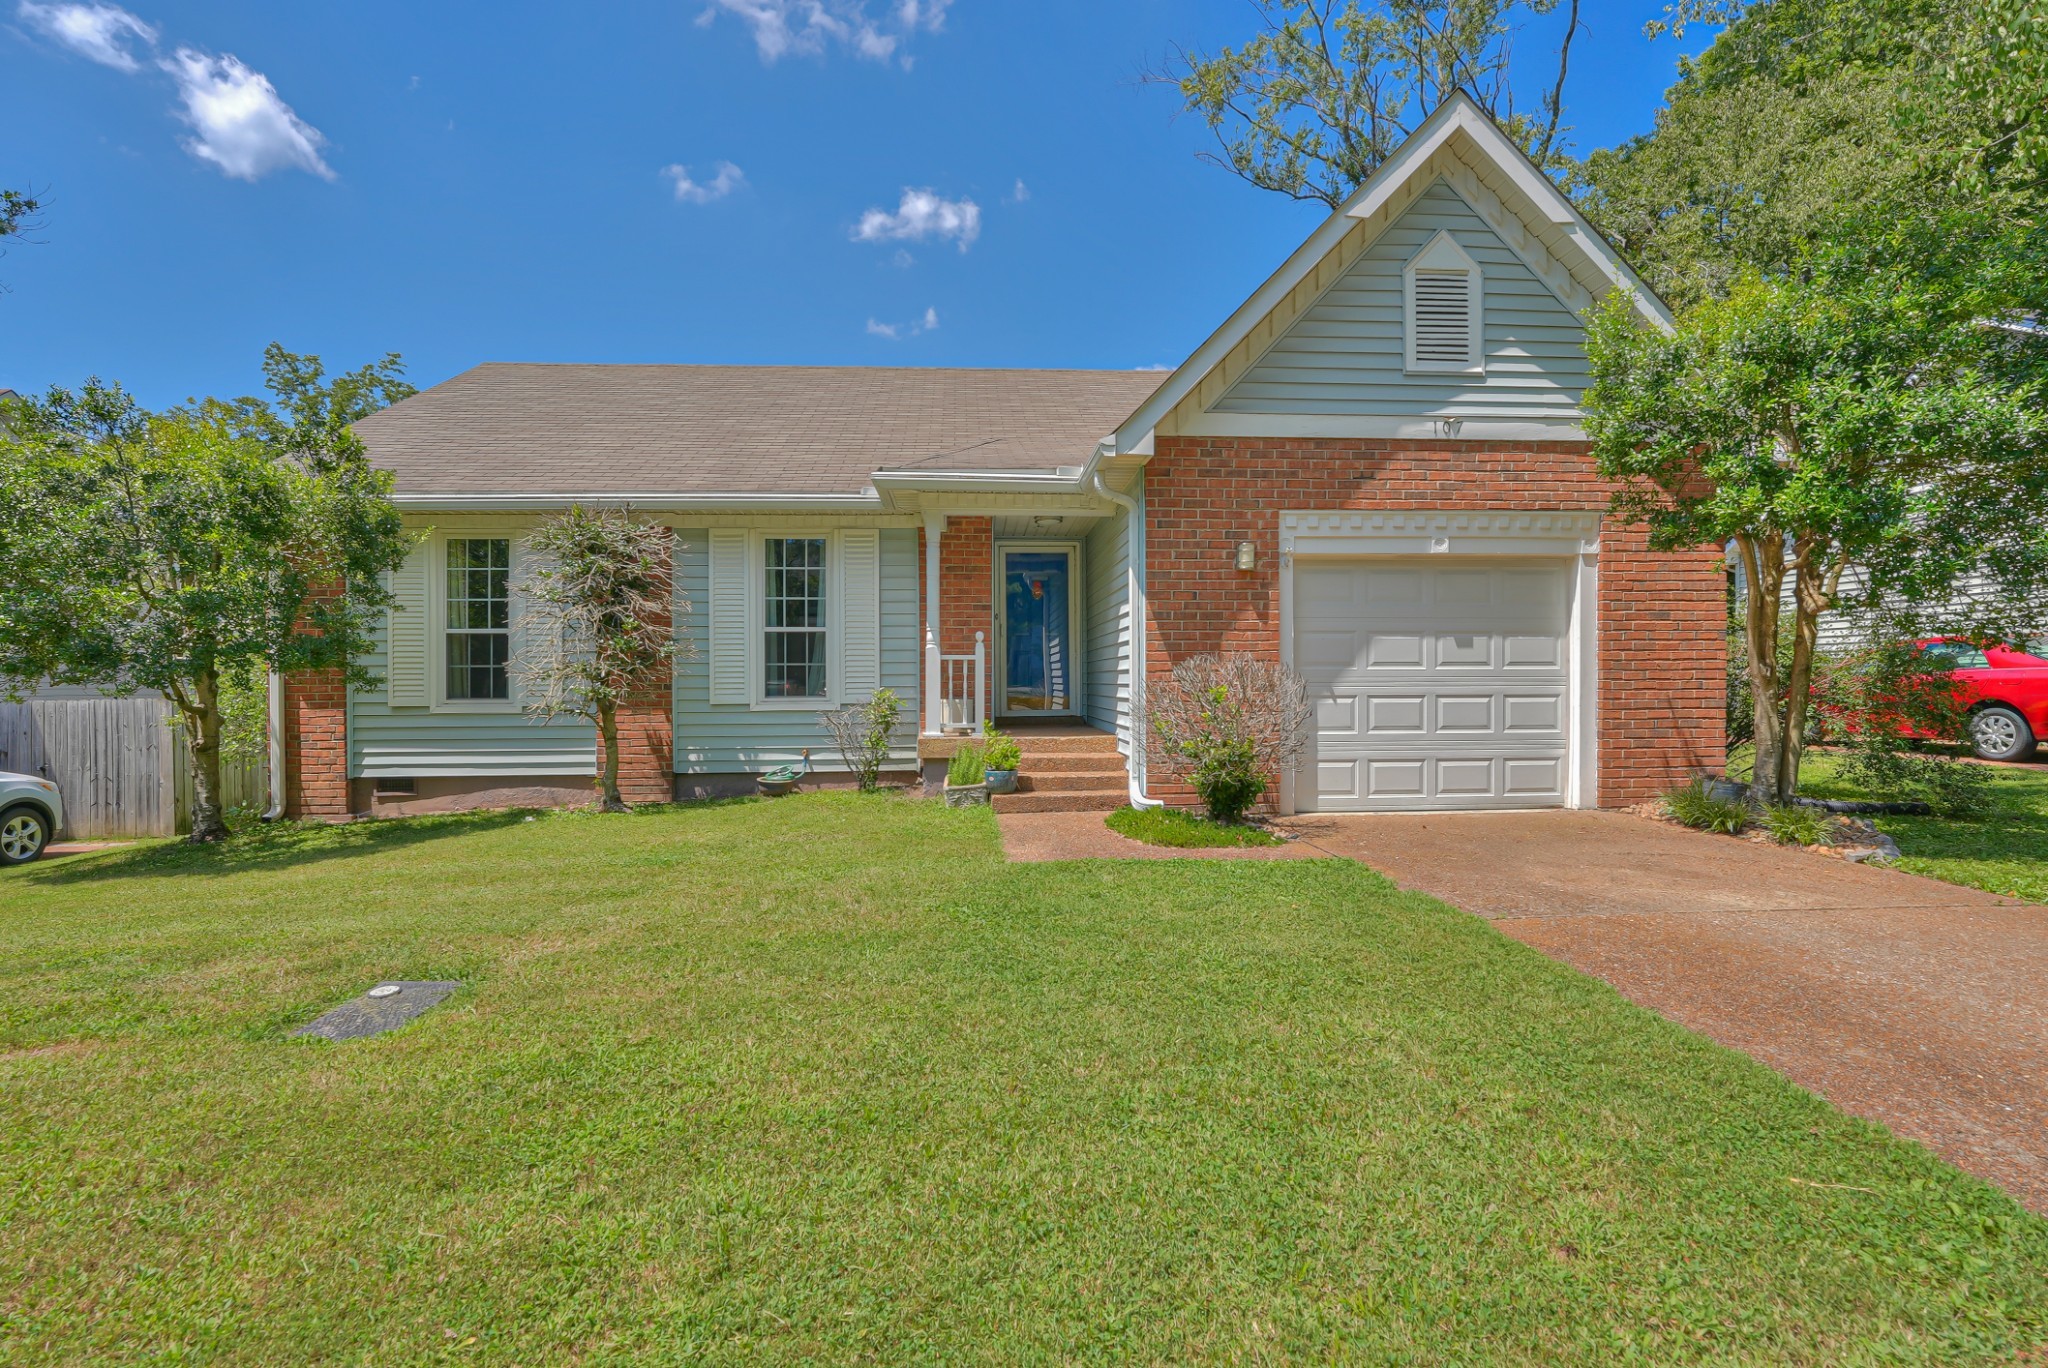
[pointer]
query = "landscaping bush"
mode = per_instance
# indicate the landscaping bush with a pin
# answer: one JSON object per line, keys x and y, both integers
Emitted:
{"x": 1693, "y": 806}
{"x": 968, "y": 767}
{"x": 1225, "y": 724}
{"x": 1790, "y": 824}
{"x": 1000, "y": 750}
{"x": 863, "y": 732}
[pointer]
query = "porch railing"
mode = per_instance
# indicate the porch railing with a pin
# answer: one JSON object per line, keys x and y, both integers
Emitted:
{"x": 960, "y": 693}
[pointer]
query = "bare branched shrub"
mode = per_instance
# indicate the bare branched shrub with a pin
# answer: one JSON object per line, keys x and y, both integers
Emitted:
{"x": 1228, "y": 724}
{"x": 597, "y": 622}
{"x": 864, "y": 732}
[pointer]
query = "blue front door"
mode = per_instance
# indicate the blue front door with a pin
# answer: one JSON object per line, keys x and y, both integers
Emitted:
{"x": 1038, "y": 657}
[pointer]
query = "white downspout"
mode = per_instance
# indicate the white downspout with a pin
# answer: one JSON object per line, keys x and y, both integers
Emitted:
{"x": 274, "y": 693}
{"x": 1135, "y": 597}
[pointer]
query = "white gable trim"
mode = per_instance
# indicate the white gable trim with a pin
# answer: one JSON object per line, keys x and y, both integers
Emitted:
{"x": 1544, "y": 201}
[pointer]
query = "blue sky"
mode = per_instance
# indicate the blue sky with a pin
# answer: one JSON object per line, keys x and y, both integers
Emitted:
{"x": 463, "y": 181}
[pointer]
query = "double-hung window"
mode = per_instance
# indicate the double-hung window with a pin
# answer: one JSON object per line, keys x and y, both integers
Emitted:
{"x": 793, "y": 618}
{"x": 479, "y": 622}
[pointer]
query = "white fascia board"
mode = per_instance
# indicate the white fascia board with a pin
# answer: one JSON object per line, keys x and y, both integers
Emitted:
{"x": 1069, "y": 479}
{"x": 652, "y": 502}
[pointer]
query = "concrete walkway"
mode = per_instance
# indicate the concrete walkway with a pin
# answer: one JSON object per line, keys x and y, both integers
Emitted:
{"x": 1904, "y": 1000}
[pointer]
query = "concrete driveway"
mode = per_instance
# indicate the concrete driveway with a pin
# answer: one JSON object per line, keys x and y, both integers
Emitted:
{"x": 1901, "y": 999}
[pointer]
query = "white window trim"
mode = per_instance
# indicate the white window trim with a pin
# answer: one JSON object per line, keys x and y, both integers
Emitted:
{"x": 437, "y": 622}
{"x": 1573, "y": 538}
{"x": 757, "y": 626}
{"x": 1444, "y": 253}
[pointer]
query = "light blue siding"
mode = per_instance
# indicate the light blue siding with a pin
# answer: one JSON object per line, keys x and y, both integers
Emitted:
{"x": 1106, "y": 609}
{"x": 732, "y": 738}
{"x": 420, "y": 743}
{"x": 1345, "y": 355}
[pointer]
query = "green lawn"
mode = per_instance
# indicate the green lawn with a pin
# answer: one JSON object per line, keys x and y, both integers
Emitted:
{"x": 2006, "y": 852}
{"x": 824, "y": 1078}
{"x": 1163, "y": 826}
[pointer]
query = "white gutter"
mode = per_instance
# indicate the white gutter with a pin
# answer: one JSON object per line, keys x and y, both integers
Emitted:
{"x": 274, "y": 694}
{"x": 470, "y": 503}
{"x": 1135, "y": 596}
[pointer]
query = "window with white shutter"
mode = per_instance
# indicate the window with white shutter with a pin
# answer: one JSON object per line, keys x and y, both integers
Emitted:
{"x": 1443, "y": 293}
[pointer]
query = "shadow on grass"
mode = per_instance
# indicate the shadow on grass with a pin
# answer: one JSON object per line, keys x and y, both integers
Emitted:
{"x": 282, "y": 845}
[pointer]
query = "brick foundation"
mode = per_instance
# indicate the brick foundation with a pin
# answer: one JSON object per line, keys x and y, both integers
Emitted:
{"x": 1662, "y": 648}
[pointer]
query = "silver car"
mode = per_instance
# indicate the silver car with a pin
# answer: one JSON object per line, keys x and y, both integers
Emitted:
{"x": 31, "y": 810}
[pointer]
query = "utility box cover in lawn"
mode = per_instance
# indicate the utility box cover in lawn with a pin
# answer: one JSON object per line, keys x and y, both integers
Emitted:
{"x": 376, "y": 1011}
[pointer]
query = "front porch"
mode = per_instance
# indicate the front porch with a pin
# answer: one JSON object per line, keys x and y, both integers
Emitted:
{"x": 1065, "y": 766}
{"x": 1025, "y": 625}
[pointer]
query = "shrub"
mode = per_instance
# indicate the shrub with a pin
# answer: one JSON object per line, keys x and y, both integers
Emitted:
{"x": 1791, "y": 824}
{"x": 864, "y": 732}
{"x": 1953, "y": 788}
{"x": 1000, "y": 749}
{"x": 1693, "y": 806}
{"x": 1227, "y": 723}
{"x": 968, "y": 767}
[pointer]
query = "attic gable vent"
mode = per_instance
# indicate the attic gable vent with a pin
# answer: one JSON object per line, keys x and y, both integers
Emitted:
{"x": 1443, "y": 301}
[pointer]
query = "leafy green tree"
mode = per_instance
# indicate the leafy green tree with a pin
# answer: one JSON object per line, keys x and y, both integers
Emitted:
{"x": 1314, "y": 102}
{"x": 597, "y": 622}
{"x": 1880, "y": 406}
{"x": 186, "y": 552}
{"x": 18, "y": 214}
{"x": 1806, "y": 114}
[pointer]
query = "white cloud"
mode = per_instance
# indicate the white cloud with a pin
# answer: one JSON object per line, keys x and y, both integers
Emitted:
{"x": 726, "y": 179}
{"x": 809, "y": 28}
{"x": 238, "y": 121}
{"x": 1155, "y": 366}
{"x": 1021, "y": 193}
{"x": 922, "y": 215}
{"x": 101, "y": 32}
{"x": 896, "y": 332}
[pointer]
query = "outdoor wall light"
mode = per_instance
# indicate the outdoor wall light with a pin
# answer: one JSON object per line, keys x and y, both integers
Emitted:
{"x": 1247, "y": 556}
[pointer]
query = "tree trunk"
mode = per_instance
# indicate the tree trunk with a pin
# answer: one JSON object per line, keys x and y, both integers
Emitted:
{"x": 608, "y": 782}
{"x": 1763, "y": 564}
{"x": 201, "y": 713}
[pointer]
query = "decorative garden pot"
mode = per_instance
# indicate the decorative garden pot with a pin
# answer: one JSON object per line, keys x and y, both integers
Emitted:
{"x": 1002, "y": 781}
{"x": 966, "y": 795}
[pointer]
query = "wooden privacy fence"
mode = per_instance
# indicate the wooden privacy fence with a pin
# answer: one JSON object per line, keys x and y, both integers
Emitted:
{"x": 119, "y": 764}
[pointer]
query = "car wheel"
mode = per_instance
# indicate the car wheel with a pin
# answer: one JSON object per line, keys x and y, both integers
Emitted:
{"x": 2000, "y": 733}
{"x": 24, "y": 831}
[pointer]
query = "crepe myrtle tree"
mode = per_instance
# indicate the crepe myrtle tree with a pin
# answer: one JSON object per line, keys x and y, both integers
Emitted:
{"x": 1880, "y": 406}
{"x": 597, "y": 622}
{"x": 1227, "y": 725}
{"x": 187, "y": 552}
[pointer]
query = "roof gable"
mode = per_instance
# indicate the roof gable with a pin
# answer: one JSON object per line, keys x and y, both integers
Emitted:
{"x": 1463, "y": 149}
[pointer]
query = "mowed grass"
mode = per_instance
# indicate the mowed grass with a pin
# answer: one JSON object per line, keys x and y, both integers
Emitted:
{"x": 1186, "y": 830}
{"x": 824, "y": 1078}
{"x": 2005, "y": 852}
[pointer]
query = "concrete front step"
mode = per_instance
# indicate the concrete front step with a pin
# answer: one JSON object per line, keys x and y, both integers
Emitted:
{"x": 1090, "y": 800}
{"x": 1093, "y": 743}
{"x": 1088, "y": 763}
{"x": 1029, "y": 781}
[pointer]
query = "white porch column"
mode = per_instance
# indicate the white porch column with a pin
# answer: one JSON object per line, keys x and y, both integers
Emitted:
{"x": 934, "y": 705}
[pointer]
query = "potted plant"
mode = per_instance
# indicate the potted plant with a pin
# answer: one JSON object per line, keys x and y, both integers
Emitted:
{"x": 1000, "y": 753}
{"x": 966, "y": 774}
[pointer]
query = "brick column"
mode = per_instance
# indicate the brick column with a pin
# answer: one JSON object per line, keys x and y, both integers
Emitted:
{"x": 646, "y": 722}
{"x": 966, "y": 591}
{"x": 316, "y": 745}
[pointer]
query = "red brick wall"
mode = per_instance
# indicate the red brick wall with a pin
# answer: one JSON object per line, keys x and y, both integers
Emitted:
{"x": 1661, "y": 634}
{"x": 966, "y": 588}
{"x": 646, "y": 723}
{"x": 316, "y": 745}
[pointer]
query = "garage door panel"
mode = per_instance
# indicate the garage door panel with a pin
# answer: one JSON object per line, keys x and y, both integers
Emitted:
{"x": 1395, "y": 715}
{"x": 1439, "y": 686}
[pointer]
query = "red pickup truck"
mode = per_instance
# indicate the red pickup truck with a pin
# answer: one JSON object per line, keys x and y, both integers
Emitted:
{"x": 2007, "y": 690}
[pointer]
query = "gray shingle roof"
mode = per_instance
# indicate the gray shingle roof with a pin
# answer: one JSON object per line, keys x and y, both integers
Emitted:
{"x": 791, "y": 430}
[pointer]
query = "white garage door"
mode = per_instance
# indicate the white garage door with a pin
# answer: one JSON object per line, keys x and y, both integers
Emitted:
{"x": 1435, "y": 685}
